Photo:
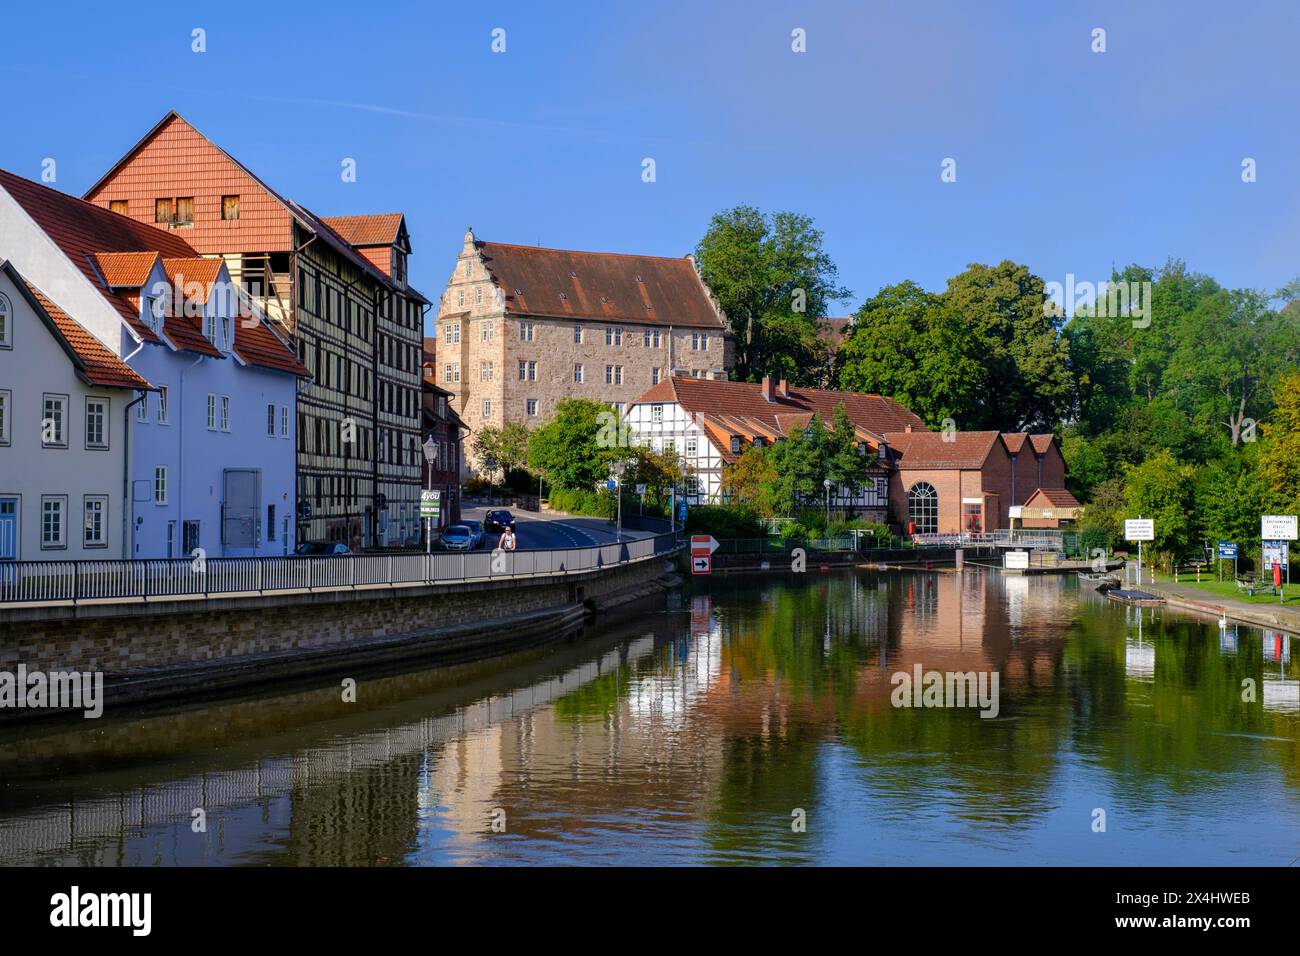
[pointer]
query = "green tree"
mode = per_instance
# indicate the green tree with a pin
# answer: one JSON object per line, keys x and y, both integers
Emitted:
{"x": 773, "y": 279}
{"x": 750, "y": 481}
{"x": 846, "y": 461}
{"x": 1162, "y": 489}
{"x": 801, "y": 464}
{"x": 578, "y": 448}
{"x": 1280, "y": 456}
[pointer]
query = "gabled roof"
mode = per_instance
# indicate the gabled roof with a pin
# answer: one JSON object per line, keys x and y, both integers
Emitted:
{"x": 927, "y": 449}
{"x": 94, "y": 363}
{"x": 129, "y": 270}
{"x": 605, "y": 286}
{"x": 193, "y": 277}
{"x": 379, "y": 229}
{"x": 1015, "y": 442}
{"x": 84, "y": 232}
{"x": 874, "y": 414}
{"x": 257, "y": 343}
{"x": 1054, "y": 498}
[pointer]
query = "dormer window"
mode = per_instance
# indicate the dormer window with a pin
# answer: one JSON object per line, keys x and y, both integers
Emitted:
{"x": 153, "y": 312}
{"x": 399, "y": 266}
{"x": 735, "y": 445}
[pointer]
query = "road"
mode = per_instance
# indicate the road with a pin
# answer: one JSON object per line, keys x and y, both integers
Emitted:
{"x": 542, "y": 532}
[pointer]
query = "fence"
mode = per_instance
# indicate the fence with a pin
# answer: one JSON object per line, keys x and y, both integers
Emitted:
{"x": 1037, "y": 540}
{"x": 69, "y": 582}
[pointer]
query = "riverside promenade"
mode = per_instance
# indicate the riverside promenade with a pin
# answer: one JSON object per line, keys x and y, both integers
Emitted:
{"x": 1191, "y": 598}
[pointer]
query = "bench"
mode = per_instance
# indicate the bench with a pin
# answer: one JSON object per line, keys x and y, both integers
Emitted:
{"x": 1251, "y": 585}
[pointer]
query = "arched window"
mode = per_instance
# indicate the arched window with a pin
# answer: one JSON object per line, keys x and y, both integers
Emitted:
{"x": 923, "y": 507}
{"x": 6, "y": 324}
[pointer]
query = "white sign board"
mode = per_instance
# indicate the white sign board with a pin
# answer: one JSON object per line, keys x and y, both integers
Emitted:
{"x": 1015, "y": 511}
{"x": 1016, "y": 560}
{"x": 1139, "y": 529}
{"x": 1277, "y": 527}
{"x": 701, "y": 564}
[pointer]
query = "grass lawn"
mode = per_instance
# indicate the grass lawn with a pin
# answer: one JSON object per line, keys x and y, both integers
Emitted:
{"x": 1228, "y": 589}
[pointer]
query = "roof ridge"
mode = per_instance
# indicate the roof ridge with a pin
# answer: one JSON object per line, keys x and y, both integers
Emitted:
{"x": 581, "y": 252}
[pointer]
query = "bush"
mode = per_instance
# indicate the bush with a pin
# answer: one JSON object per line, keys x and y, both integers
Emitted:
{"x": 575, "y": 501}
{"x": 521, "y": 481}
{"x": 724, "y": 522}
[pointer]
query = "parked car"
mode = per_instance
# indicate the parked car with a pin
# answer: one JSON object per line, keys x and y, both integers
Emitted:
{"x": 458, "y": 537}
{"x": 499, "y": 520}
{"x": 477, "y": 528}
{"x": 318, "y": 548}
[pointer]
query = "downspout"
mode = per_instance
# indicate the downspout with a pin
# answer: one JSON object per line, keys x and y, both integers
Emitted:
{"x": 180, "y": 463}
{"x": 296, "y": 339}
{"x": 128, "y": 506}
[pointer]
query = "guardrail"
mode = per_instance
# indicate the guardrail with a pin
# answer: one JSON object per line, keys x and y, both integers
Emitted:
{"x": 72, "y": 582}
{"x": 1045, "y": 540}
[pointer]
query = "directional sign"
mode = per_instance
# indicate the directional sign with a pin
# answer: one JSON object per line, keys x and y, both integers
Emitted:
{"x": 640, "y": 490}
{"x": 611, "y": 485}
{"x": 701, "y": 564}
{"x": 1228, "y": 550}
{"x": 681, "y": 511}
{"x": 1139, "y": 529}
{"x": 1278, "y": 527}
{"x": 430, "y": 504}
{"x": 703, "y": 544}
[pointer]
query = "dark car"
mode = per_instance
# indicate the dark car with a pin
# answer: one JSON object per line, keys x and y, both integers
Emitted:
{"x": 313, "y": 549}
{"x": 499, "y": 520}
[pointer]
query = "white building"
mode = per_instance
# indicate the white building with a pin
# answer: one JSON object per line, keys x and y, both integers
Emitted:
{"x": 64, "y": 400}
{"x": 710, "y": 423}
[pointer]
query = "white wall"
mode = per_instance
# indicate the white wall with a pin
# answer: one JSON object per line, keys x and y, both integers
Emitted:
{"x": 677, "y": 426}
{"x": 37, "y": 364}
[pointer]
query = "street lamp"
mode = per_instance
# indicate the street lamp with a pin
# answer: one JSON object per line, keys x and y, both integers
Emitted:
{"x": 430, "y": 448}
{"x": 826, "y": 483}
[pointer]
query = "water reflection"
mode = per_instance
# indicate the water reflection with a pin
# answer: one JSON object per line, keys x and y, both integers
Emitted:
{"x": 706, "y": 730}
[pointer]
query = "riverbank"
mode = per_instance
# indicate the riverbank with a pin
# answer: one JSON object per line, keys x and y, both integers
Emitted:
{"x": 1189, "y": 598}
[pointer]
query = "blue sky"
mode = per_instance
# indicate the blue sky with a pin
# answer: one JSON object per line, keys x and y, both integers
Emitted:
{"x": 1067, "y": 160}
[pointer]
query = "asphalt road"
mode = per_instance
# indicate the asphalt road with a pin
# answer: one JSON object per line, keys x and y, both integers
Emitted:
{"x": 542, "y": 532}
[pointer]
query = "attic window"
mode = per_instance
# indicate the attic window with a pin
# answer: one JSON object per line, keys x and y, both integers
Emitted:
{"x": 519, "y": 291}
{"x": 735, "y": 444}
{"x": 564, "y": 295}
{"x": 638, "y": 278}
{"x": 572, "y": 274}
{"x": 759, "y": 441}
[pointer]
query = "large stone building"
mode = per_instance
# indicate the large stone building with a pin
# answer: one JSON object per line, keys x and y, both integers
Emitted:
{"x": 522, "y": 327}
{"x": 337, "y": 288}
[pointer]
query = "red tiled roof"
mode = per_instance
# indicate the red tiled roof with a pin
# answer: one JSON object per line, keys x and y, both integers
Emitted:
{"x": 97, "y": 365}
{"x": 256, "y": 343}
{"x": 875, "y": 414}
{"x": 1015, "y": 441}
{"x": 379, "y": 229}
{"x": 927, "y": 449}
{"x": 599, "y": 285}
{"x": 84, "y": 232}
{"x": 1042, "y": 443}
{"x": 129, "y": 270}
{"x": 193, "y": 277}
{"x": 1056, "y": 497}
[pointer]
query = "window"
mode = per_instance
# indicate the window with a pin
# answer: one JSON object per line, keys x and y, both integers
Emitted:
{"x": 478, "y": 296}
{"x": 189, "y": 537}
{"x": 525, "y": 331}
{"x": 284, "y": 421}
{"x": 95, "y": 526}
{"x": 923, "y": 508}
{"x": 651, "y": 340}
{"x": 656, "y": 413}
{"x": 654, "y": 376}
{"x": 531, "y": 405}
{"x": 577, "y": 335}
{"x": 185, "y": 211}
{"x": 735, "y": 444}
{"x": 142, "y": 410}
{"x": 118, "y": 206}
{"x": 527, "y": 371}
{"x": 6, "y": 324}
{"x": 692, "y": 447}
{"x": 465, "y": 268}
{"x": 618, "y": 375}
{"x": 577, "y": 372}
{"x": 670, "y": 445}
{"x": 212, "y": 412}
{"x": 460, "y": 297}
{"x": 609, "y": 375}
{"x": 6, "y": 401}
{"x": 270, "y": 522}
{"x": 164, "y": 210}
{"x": 487, "y": 408}
{"x": 96, "y": 423}
{"x": 692, "y": 485}
{"x": 53, "y": 514}
{"x": 171, "y": 539}
{"x": 613, "y": 336}
{"x": 54, "y": 422}
{"x": 160, "y": 484}
{"x": 270, "y": 421}
{"x": 229, "y": 207}
{"x": 162, "y": 405}
{"x": 699, "y": 341}
{"x": 485, "y": 372}
{"x": 487, "y": 330}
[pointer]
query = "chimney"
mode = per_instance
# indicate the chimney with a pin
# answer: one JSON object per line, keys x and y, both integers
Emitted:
{"x": 767, "y": 389}
{"x": 783, "y": 389}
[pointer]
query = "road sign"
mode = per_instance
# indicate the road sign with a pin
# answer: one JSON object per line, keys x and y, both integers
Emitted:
{"x": 611, "y": 485}
{"x": 1228, "y": 550}
{"x": 430, "y": 504}
{"x": 681, "y": 511}
{"x": 1275, "y": 553}
{"x": 640, "y": 490}
{"x": 1139, "y": 529}
{"x": 703, "y": 544}
{"x": 701, "y": 564}
{"x": 1278, "y": 527}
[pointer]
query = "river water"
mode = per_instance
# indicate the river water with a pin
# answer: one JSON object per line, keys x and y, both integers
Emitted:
{"x": 744, "y": 720}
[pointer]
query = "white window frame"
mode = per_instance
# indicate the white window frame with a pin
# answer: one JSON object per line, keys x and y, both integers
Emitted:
{"x": 212, "y": 412}
{"x": 6, "y": 323}
{"x": 225, "y": 413}
{"x": 530, "y": 406}
{"x": 657, "y": 414}
{"x": 160, "y": 484}
{"x": 6, "y": 410}
{"x": 162, "y": 405}
{"x": 61, "y": 542}
{"x": 61, "y": 403}
{"x": 579, "y": 373}
{"x": 487, "y": 408}
{"x": 577, "y": 335}
{"x": 142, "y": 409}
{"x": 102, "y": 502}
{"x": 284, "y": 421}
{"x": 102, "y": 444}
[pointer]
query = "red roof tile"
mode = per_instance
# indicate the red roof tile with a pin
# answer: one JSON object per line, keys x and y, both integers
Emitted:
{"x": 875, "y": 414}
{"x": 97, "y": 365}
{"x": 1056, "y": 498}
{"x": 599, "y": 285}
{"x": 129, "y": 270}
{"x": 927, "y": 449}
{"x": 379, "y": 229}
{"x": 1015, "y": 441}
{"x": 257, "y": 343}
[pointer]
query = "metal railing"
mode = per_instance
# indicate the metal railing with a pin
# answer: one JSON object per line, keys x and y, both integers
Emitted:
{"x": 1042, "y": 540}
{"x": 71, "y": 582}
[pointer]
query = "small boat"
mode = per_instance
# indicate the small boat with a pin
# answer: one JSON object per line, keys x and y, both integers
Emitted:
{"x": 1134, "y": 598}
{"x": 1101, "y": 580}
